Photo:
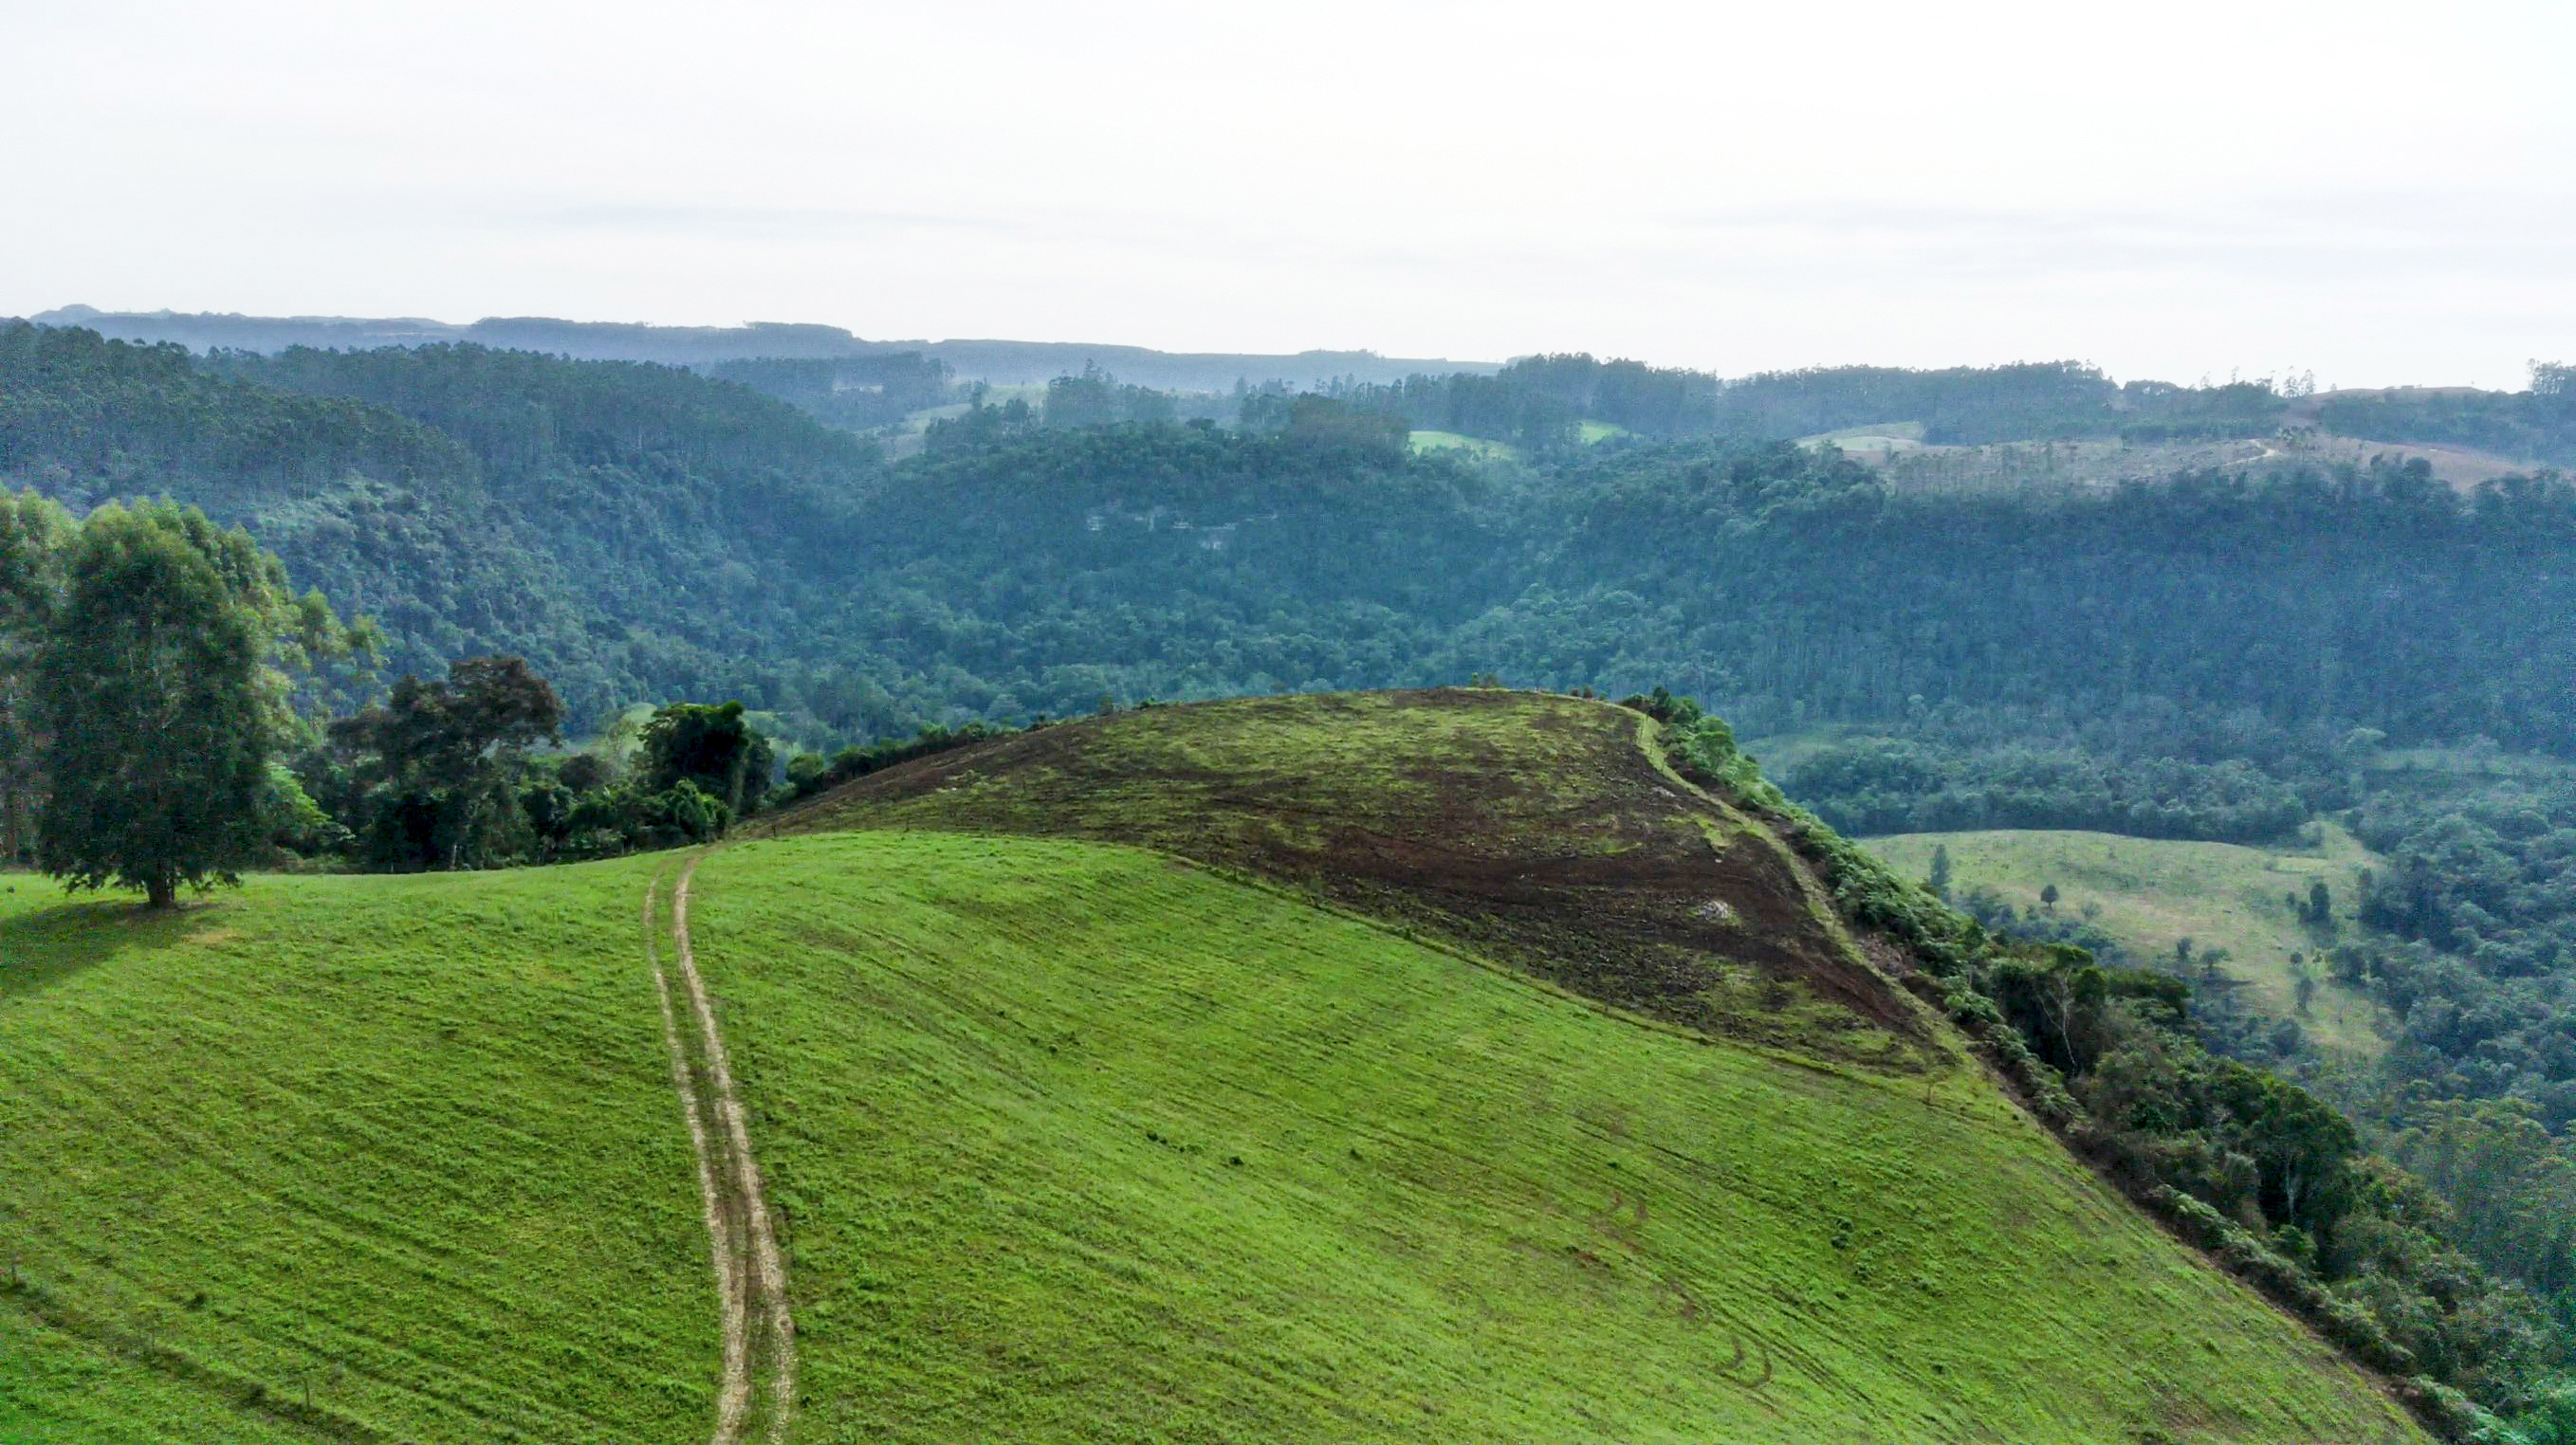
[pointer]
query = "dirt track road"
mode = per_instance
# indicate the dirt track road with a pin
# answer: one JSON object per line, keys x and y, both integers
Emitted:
{"x": 751, "y": 1276}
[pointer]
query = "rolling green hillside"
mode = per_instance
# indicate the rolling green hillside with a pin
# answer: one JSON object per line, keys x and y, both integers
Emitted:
{"x": 1540, "y": 831}
{"x": 1077, "y": 1144}
{"x": 1432, "y": 1066}
{"x": 408, "y": 1144}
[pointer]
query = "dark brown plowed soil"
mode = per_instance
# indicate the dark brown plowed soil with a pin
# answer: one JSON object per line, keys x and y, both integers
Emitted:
{"x": 1528, "y": 827}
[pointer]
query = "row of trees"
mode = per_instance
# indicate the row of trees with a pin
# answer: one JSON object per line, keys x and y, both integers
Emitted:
{"x": 1542, "y": 402}
{"x": 1910, "y": 785}
{"x": 160, "y": 690}
{"x": 856, "y": 393}
{"x": 447, "y": 774}
{"x": 2536, "y": 424}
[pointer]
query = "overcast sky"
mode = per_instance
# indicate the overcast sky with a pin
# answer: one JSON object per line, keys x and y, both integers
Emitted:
{"x": 2379, "y": 193}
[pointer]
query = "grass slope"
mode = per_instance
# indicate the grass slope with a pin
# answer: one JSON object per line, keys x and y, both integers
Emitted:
{"x": 59, "y": 1388}
{"x": 1878, "y": 437}
{"x": 2152, "y": 891}
{"x": 404, "y": 1147}
{"x": 1076, "y": 1142}
{"x": 1484, "y": 449}
{"x": 1536, "y": 828}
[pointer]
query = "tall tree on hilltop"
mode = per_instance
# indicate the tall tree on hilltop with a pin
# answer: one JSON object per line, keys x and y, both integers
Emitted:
{"x": 165, "y": 661}
{"x": 148, "y": 694}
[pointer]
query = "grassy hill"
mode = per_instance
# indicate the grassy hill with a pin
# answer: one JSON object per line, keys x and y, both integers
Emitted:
{"x": 1880, "y": 439}
{"x": 402, "y": 1147}
{"x": 1530, "y": 827}
{"x": 2148, "y": 893}
{"x": 1427, "y": 1066}
{"x": 1482, "y": 826}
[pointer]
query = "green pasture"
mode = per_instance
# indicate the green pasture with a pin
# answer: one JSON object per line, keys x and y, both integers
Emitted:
{"x": 2151, "y": 892}
{"x": 1476, "y": 448}
{"x": 362, "y": 1158}
{"x": 1076, "y": 1142}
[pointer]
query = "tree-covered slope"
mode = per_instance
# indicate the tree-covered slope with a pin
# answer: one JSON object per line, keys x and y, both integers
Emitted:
{"x": 2537, "y": 424}
{"x": 613, "y": 523}
{"x": 1004, "y": 363}
{"x": 642, "y": 532}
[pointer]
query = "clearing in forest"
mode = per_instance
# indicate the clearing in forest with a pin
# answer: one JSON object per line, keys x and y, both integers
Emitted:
{"x": 2152, "y": 893}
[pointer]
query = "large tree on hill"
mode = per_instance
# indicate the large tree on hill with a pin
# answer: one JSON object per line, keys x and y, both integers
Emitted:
{"x": 153, "y": 663}
{"x": 148, "y": 693}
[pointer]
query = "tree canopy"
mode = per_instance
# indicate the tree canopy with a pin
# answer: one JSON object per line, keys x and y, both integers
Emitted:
{"x": 148, "y": 694}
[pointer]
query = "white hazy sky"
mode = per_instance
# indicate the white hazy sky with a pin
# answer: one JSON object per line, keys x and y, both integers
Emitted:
{"x": 2382, "y": 193}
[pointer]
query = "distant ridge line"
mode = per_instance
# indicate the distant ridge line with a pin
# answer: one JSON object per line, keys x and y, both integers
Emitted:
{"x": 1001, "y": 362}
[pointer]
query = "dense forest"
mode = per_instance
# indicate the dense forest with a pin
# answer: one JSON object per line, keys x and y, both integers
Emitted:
{"x": 639, "y": 531}
{"x": 2276, "y": 1183}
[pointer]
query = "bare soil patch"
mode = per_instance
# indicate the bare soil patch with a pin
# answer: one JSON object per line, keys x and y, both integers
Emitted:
{"x": 1530, "y": 827}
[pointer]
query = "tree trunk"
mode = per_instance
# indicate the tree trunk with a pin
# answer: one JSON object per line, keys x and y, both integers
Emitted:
{"x": 161, "y": 891}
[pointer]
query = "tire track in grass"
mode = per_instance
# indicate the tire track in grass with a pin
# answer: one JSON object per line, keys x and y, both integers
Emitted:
{"x": 751, "y": 1275}
{"x": 733, "y": 1389}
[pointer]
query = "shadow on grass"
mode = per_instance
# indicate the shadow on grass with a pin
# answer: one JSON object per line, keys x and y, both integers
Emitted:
{"x": 41, "y": 948}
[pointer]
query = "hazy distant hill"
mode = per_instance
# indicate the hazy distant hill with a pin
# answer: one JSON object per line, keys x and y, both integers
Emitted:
{"x": 1003, "y": 363}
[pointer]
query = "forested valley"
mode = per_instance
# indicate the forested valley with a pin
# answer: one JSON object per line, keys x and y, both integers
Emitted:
{"x": 627, "y": 603}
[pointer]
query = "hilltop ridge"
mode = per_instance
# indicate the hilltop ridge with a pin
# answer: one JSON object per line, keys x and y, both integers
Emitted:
{"x": 1538, "y": 827}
